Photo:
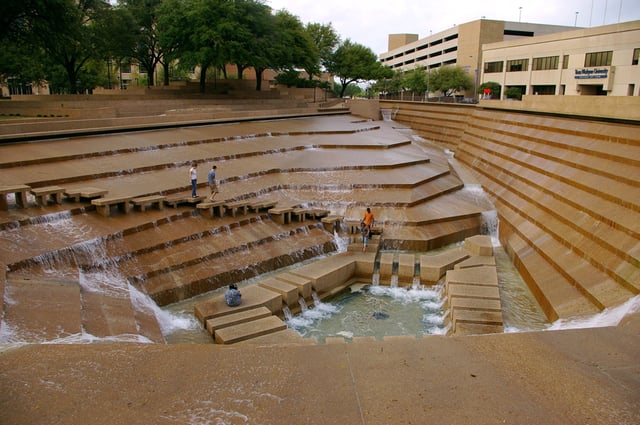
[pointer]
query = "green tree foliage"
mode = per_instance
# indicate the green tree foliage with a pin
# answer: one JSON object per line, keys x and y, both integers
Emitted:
{"x": 493, "y": 86}
{"x": 293, "y": 46}
{"x": 145, "y": 46}
{"x": 353, "y": 62}
{"x": 449, "y": 79}
{"x": 326, "y": 40}
{"x": 416, "y": 80}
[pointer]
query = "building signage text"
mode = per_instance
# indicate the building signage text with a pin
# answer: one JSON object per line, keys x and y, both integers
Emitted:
{"x": 591, "y": 73}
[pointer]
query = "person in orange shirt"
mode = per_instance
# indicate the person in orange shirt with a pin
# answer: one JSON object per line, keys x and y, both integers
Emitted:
{"x": 367, "y": 222}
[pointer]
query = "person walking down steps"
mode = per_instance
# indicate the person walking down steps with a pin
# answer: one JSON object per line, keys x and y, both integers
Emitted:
{"x": 193, "y": 174}
{"x": 367, "y": 223}
{"x": 212, "y": 182}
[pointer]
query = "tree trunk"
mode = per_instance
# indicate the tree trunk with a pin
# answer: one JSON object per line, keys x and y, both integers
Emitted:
{"x": 240, "y": 71}
{"x": 259, "y": 72}
{"x": 203, "y": 78}
{"x": 165, "y": 66}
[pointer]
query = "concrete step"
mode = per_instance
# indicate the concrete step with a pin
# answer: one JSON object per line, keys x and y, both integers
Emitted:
{"x": 233, "y": 319}
{"x": 248, "y": 330}
{"x": 235, "y": 264}
{"x": 42, "y": 309}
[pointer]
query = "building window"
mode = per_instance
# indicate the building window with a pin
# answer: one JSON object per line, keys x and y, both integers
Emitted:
{"x": 598, "y": 59}
{"x": 548, "y": 62}
{"x": 636, "y": 56}
{"x": 518, "y": 65}
{"x": 565, "y": 62}
{"x": 490, "y": 67}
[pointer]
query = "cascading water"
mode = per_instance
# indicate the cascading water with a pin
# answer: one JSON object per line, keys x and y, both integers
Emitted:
{"x": 367, "y": 310}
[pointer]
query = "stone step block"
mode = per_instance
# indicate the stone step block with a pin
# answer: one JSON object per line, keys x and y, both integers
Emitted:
{"x": 233, "y": 319}
{"x": 477, "y": 317}
{"x": 477, "y": 329}
{"x": 248, "y": 330}
{"x": 479, "y": 245}
{"x": 288, "y": 291}
{"x": 482, "y": 276}
{"x": 476, "y": 261}
{"x": 303, "y": 284}
{"x": 473, "y": 291}
{"x": 406, "y": 266}
{"x": 386, "y": 264}
{"x": 433, "y": 267}
{"x": 253, "y": 296}
{"x": 479, "y": 304}
{"x": 328, "y": 274}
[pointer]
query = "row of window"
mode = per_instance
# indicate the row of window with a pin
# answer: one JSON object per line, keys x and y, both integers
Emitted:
{"x": 424, "y": 46}
{"x": 551, "y": 62}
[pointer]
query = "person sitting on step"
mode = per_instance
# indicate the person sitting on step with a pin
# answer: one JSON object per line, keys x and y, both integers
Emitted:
{"x": 233, "y": 297}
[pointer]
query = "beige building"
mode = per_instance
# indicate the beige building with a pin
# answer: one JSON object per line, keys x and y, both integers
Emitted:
{"x": 591, "y": 61}
{"x": 460, "y": 45}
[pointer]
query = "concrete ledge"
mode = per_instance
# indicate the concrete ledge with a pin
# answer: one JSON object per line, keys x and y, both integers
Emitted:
{"x": 248, "y": 330}
{"x": 20, "y": 192}
{"x": 433, "y": 267}
{"x": 476, "y": 261}
{"x": 85, "y": 192}
{"x": 281, "y": 215}
{"x": 288, "y": 291}
{"x": 406, "y": 266}
{"x": 303, "y": 284}
{"x": 44, "y": 194}
{"x": 331, "y": 223}
{"x": 253, "y": 296}
{"x": 479, "y": 245}
{"x": 236, "y": 207}
{"x": 144, "y": 202}
{"x": 386, "y": 265}
{"x": 212, "y": 209}
{"x": 483, "y": 276}
{"x": 216, "y": 323}
{"x": 329, "y": 273}
{"x": 103, "y": 205}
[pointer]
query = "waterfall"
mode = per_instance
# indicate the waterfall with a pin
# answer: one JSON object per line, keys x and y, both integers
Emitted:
{"x": 375, "y": 279}
{"x": 303, "y": 304}
{"x": 394, "y": 281}
{"x": 316, "y": 298}
{"x": 416, "y": 283}
{"x": 490, "y": 225}
{"x": 287, "y": 313}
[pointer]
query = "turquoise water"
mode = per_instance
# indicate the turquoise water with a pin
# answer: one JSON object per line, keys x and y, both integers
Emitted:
{"x": 374, "y": 311}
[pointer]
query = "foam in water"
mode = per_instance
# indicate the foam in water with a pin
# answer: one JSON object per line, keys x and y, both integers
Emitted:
{"x": 608, "y": 317}
{"x": 369, "y": 310}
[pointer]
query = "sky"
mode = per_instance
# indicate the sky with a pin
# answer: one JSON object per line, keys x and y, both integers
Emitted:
{"x": 369, "y": 22}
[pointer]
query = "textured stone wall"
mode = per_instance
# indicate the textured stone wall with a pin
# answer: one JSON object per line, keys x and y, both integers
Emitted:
{"x": 566, "y": 190}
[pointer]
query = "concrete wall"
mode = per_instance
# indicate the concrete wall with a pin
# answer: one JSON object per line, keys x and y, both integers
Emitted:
{"x": 566, "y": 191}
{"x": 617, "y": 107}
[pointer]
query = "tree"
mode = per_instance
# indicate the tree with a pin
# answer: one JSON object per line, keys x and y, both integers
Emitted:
{"x": 70, "y": 38}
{"x": 249, "y": 42}
{"x": 353, "y": 63}
{"x": 326, "y": 40}
{"x": 199, "y": 31}
{"x": 293, "y": 46}
{"x": 493, "y": 86}
{"x": 415, "y": 80}
{"x": 449, "y": 79}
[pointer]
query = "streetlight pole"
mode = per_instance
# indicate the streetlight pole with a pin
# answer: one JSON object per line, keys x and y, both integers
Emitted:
{"x": 520, "y": 14}
{"x": 575, "y": 23}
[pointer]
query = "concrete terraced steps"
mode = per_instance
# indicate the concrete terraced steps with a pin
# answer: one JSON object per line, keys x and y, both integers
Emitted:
{"x": 54, "y": 309}
{"x": 568, "y": 200}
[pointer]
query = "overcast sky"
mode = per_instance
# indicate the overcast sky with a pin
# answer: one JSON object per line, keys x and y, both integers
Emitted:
{"x": 369, "y": 22}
